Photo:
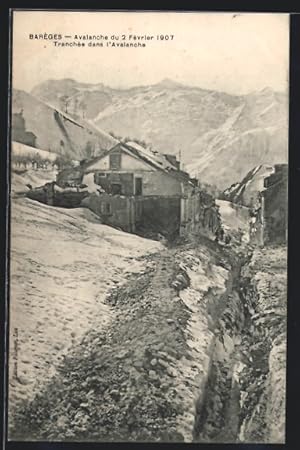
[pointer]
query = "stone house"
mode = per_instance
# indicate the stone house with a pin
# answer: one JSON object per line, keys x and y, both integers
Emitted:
{"x": 131, "y": 170}
{"x": 153, "y": 181}
{"x": 140, "y": 190}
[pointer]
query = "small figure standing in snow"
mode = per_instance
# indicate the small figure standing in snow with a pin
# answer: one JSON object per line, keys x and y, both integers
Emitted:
{"x": 227, "y": 239}
{"x": 219, "y": 234}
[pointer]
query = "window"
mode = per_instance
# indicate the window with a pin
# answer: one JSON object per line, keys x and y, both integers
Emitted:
{"x": 115, "y": 161}
{"x": 116, "y": 189}
{"x": 98, "y": 177}
{"x": 105, "y": 208}
{"x": 138, "y": 186}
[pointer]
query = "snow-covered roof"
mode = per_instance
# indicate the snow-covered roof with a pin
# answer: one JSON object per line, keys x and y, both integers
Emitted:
{"x": 19, "y": 148}
{"x": 155, "y": 158}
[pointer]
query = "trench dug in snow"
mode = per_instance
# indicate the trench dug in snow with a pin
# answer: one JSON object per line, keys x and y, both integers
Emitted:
{"x": 199, "y": 334}
{"x": 236, "y": 336}
{"x": 223, "y": 386}
{"x": 209, "y": 298}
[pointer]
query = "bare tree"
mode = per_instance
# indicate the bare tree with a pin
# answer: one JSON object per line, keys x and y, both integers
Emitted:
{"x": 76, "y": 104}
{"x": 83, "y": 107}
{"x": 64, "y": 100}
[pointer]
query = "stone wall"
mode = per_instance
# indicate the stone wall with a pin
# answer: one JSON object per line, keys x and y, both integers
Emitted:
{"x": 107, "y": 179}
{"x": 154, "y": 183}
{"x": 269, "y": 217}
{"x": 199, "y": 213}
{"x": 160, "y": 215}
{"x": 275, "y": 206}
{"x": 138, "y": 214}
{"x": 115, "y": 210}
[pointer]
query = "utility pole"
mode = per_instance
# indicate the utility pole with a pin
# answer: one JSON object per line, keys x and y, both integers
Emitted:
{"x": 179, "y": 158}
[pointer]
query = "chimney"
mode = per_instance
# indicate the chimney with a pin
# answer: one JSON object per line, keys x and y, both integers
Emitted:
{"x": 173, "y": 160}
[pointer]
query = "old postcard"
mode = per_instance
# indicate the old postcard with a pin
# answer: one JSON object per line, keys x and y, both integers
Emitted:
{"x": 148, "y": 247}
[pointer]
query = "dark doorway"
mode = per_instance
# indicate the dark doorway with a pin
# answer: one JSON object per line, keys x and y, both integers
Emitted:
{"x": 116, "y": 189}
{"x": 138, "y": 186}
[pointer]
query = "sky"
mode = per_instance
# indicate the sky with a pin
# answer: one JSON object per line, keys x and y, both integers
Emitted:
{"x": 235, "y": 53}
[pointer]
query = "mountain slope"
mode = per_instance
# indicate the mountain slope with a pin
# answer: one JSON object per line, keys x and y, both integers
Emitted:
{"x": 215, "y": 132}
{"x": 255, "y": 134}
{"x": 57, "y": 131}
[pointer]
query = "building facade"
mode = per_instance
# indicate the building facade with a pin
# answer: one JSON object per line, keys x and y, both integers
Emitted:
{"x": 269, "y": 223}
{"x": 19, "y": 132}
{"x": 139, "y": 190}
{"x": 130, "y": 170}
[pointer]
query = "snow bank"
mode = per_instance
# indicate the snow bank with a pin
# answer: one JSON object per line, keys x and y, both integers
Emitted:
{"x": 63, "y": 263}
{"x": 194, "y": 370}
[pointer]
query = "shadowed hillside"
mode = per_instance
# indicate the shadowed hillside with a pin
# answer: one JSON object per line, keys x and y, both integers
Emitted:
{"x": 57, "y": 131}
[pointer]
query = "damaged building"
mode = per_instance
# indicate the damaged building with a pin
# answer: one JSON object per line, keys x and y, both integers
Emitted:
{"x": 19, "y": 132}
{"x": 269, "y": 218}
{"x": 137, "y": 189}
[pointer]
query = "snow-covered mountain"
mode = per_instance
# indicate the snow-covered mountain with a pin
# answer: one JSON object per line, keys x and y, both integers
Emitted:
{"x": 220, "y": 137}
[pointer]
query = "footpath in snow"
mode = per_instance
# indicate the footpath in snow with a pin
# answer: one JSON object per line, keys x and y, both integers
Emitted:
{"x": 63, "y": 264}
